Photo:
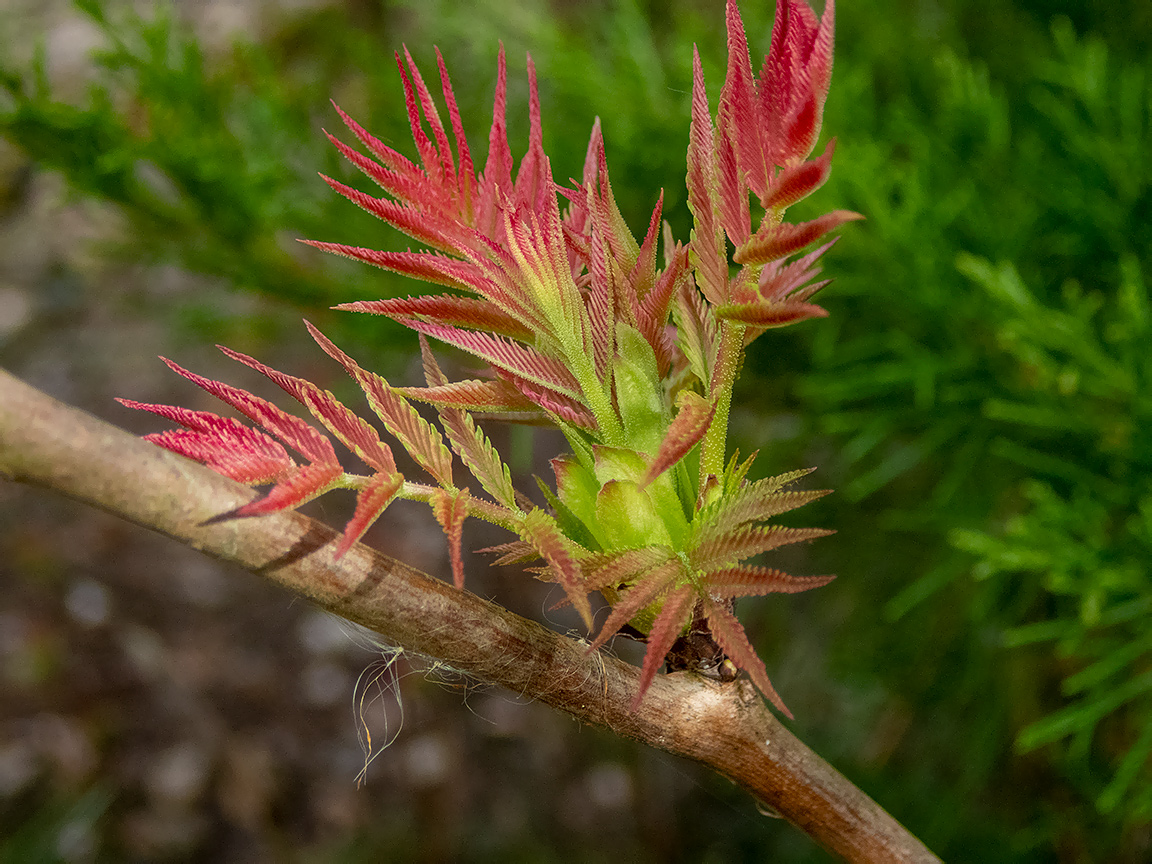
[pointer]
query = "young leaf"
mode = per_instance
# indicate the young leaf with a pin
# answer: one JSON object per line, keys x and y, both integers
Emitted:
{"x": 730, "y": 636}
{"x": 541, "y": 531}
{"x": 470, "y": 443}
{"x": 450, "y": 509}
{"x": 352, "y": 430}
{"x": 291, "y": 430}
{"x": 644, "y": 590}
{"x": 418, "y": 437}
{"x": 373, "y": 499}
{"x": 717, "y": 549}
{"x": 224, "y": 444}
{"x": 298, "y": 487}
{"x": 684, "y": 433}
{"x": 674, "y": 615}
{"x": 746, "y": 581}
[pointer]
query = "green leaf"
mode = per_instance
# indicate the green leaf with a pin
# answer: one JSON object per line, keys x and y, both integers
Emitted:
{"x": 628, "y": 518}
{"x": 639, "y": 391}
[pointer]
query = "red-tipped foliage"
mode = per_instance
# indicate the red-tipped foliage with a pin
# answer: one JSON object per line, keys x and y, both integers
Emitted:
{"x": 222, "y": 443}
{"x": 580, "y": 329}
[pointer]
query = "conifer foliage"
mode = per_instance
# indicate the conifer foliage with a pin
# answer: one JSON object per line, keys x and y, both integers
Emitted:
{"x": 584, "y": 327}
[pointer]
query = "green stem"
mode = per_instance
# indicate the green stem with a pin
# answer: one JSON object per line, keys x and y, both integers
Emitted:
{"x": 730, "y": 356}
{"x": 599, "y": 401}
{"x": 422, "y": 492}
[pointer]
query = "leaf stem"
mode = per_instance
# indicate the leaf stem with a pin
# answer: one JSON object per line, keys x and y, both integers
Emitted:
{"x": 729, "y": 359}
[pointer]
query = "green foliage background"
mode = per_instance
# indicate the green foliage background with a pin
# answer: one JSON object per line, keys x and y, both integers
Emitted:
{"x": 980, "y": 396}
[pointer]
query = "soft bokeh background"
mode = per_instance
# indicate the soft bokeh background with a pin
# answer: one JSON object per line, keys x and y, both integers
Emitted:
{"x": 979, "y": 398}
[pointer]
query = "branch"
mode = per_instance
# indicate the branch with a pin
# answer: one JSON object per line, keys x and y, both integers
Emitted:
{"x": 724, "y": 726}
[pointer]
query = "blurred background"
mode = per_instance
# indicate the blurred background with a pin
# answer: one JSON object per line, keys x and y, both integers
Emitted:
{"x": 979, "y": 398}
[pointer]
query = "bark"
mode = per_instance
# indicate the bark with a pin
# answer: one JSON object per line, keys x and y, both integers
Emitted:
{"x": 725, "y": 726}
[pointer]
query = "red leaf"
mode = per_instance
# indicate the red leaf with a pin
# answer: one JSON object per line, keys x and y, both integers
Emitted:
{"x": 429, "y": 227}
{"x": 512, "y": 552}
{"x": 754, "y": 503}
{"x": 373, "y": 499}
{"x": 513, "y": 357}
{"x": 496, "y": 182}
{"x": 709, "y": 254}
{"x": 423, "y": 443}
{"x": 450, "y": 511}
{"x": 444, "y": 169}
{"x": 605, "y": 569}
{"x": 684, "y": 433}
{"x": 447, "y": 309}
{"x": 495, "y": 396}
{"x": 302, "y": 485}
{"x": 676, "y": 612}
{"x": 739, "y": 112}
{"x": 652, "y": 321}
{"x": 730, "y": 636}
{"x": 466, "y": 176}
{"x": 534, "y": 186}
{"x": 780, "y": 280}
{"x": 222, "y": 443}
{"x": 556, "y": 404}
{"x": 352, "y": 431}
{"x": 799, "y": 180}
{"x": 293, "y": 431}
{"x": 646, "y": 589}
{"x": 747, "y": 581}
{"x": 541, "y": 530}
{"x": 472, "y": 445}
{"x": 780, "y": 240}
{"x": 769, "y": 314}
{"x": 719, "y": 549}
{"x": 398, "y": 163}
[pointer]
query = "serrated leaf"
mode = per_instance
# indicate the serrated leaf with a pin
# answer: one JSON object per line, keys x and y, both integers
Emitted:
{"x": 753, "y": 503}
{"x": 606, "y": 569}
{"x": 302, "y": 485}
{"x": 730, "y": 636}
{"x": 496, "y": 396}
{"x": 696, "y": 331}
{"x": 450, "y": 509}
{"x": 513, "y": 357}
{"x": 800, "y": 180}
{"x": 541, "y": 530}
{"x": 352, "y": 431}
{"x": 778, "y": 240}
{"x": 767, "y": 314}
{"x": 747, "y": 581}
{"x": 469, "y": 312}
{"x": 372, "y": 501}
{"x": 643, "y": 592}
{"x": 709, "y": 254}
{"x": 224, "y": 444}
{"x": 513, "y": 552}
{"x": 293, "y": 431}
{"x": 684, "y": 433}
{"x": 472, "y": 445}
{"x": 674, "y": 615}
{"x": 423, "y": 443}
{"x": 718, "y": 549}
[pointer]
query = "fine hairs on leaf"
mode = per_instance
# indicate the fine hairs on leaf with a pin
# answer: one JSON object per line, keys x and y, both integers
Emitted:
{"x": 581, "y": 328}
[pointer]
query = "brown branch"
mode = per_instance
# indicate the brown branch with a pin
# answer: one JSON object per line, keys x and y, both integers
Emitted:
{"x": 724, "y": 726}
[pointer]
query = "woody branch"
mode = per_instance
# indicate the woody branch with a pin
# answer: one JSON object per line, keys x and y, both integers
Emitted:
{"x": 723, "y": 726}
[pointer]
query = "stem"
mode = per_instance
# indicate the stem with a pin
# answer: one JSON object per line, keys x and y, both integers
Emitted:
{"x": 730, "y": 357}
{"x": 478, "y": 507}
{"x": 725, "y": 726}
